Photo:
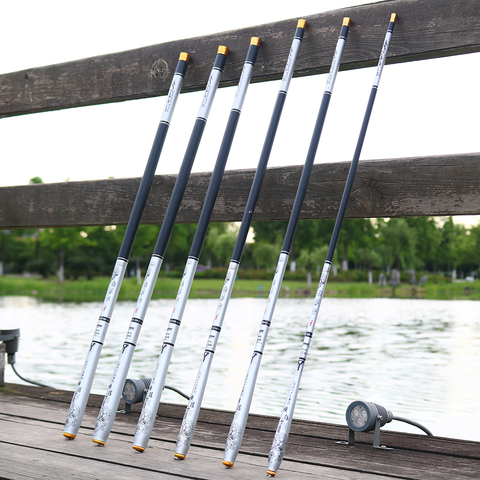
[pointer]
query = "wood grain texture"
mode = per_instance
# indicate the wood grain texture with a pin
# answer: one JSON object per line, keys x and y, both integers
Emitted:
{"x": 31, "y": 422}
{"x": 422, "y": 186}
{"x": 425, "y": 29}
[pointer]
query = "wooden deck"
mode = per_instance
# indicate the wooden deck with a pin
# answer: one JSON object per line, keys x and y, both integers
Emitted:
{"x": 32, "y": 446}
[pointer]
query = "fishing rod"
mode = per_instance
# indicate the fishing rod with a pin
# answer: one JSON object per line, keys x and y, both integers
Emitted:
{"x": 154, "y": 393}
{"x": 281, "y": 436}
{"x": 192, "y": 411}
{"x": 82, "y": 391}
{"x": 112, "y": 397}
{"x": 237, "y": 428}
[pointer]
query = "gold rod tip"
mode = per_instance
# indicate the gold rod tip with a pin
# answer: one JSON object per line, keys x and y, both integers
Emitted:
{"x": 228, "y": 464}
{"x": 138, "y": 449}
{"x": 185, "y": 57}
{"x": 255, "y": 41}
{"x": 223, "y": 50}
{"x": 271, "y": 473}
{"x": 301, "y": 23}
{"x": 98, "y": 442}
{"x": 179, "y": 456}
{"x": 347, "y": 21}
{"x": 393, "y": 17}
{"x": 70, "y": 436}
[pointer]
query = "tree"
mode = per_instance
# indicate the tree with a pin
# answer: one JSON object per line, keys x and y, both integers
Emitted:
{"x": 309, "y": 259}
{"x": 355, "y": 233}
{"x": 266, "y": 254}
{"x": 179, "y": 245}
{"x": 219, "y": 244}
{"x": 62, "y": 241}
{"x": 400, "y": 240}
{"x": 428, "y": 238}
{"x": 310, "y": 235}
{"x": 370, "y": 258}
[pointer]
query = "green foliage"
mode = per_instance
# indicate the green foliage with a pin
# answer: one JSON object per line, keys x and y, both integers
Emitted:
{"x": 401, "y": 240}
{"x": 433, "y": 245}
{"x": 266, "y": 255}
{"x": 219, "y": 244}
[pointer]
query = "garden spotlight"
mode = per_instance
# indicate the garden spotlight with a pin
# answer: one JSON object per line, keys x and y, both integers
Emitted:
{"x": 366, "y": 416}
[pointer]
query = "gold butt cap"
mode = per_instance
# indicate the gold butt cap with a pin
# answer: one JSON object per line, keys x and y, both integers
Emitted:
{"x": 301, "y": 23}
{"x": 223, "y": 50}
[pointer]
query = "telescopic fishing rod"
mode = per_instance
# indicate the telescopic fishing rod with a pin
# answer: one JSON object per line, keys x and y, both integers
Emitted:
{"x": 112, "y": 397}
{"x": 154, "y": 393}
{"x": 237, "y": 428}
{"x": 193, "y": 408}
{"x": 280, "y": 440}
{"x": 82, "y": 391}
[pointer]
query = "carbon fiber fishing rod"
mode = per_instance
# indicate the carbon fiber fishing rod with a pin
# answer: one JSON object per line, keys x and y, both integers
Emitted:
{"x": 82, "y": 391}
{"x": 281, "y": 436}
{"x": 237, "y": 428}
{"x": 112, "y": 397}
{"x": 193, "y": 408}
{"x": 154, "y": 393}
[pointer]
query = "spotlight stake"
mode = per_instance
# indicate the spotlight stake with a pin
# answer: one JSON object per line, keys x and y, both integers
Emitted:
{"x": 192, "y": 411}
{"x": 82, "y": 391}
{"x": 281, "y": 436}
{"x": 113, "y": 394}
{"x": 152, "y": 399}
{"x": 237, "y": 428}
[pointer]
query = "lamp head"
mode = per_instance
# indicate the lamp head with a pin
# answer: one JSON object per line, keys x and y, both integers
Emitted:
{"x": 361, "y": 416}
{"x": 134, "y": 390}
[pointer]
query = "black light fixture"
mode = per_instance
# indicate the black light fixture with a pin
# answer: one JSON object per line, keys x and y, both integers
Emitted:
{"x": 11, "y": 338}
{"x": 367, "y": 416}
{"x": 135, "y": 389}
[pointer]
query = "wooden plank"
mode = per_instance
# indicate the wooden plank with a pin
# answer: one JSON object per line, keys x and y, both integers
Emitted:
{"x": 311, "y": 450}
{"x": 425, "y": 29}
{"x": 52, "y": 406}
{"x": 423, "y": 186}
{"x": 29, "y": 438}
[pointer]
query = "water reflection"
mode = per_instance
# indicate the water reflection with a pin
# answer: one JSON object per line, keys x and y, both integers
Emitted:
{"x": 416, "y": 357}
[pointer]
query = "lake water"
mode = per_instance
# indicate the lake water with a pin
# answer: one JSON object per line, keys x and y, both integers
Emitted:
{"x": 418, "y": 358}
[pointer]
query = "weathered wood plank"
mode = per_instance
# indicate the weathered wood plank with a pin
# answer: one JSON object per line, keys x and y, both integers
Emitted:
{"x": 34, "y": 425}
{"x": 425, "y": 29}
{"x": 423, "y": 186}
{"x": 83, "y": 459}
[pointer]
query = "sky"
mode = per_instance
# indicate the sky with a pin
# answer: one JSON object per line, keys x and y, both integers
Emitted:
{"x": 422, "y": 108}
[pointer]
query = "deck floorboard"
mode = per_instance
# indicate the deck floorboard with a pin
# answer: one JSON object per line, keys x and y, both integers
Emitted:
{"x": 32, "y": 446}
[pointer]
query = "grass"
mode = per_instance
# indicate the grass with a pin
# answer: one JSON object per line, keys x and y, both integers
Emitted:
{"x": 83, "y": 290}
